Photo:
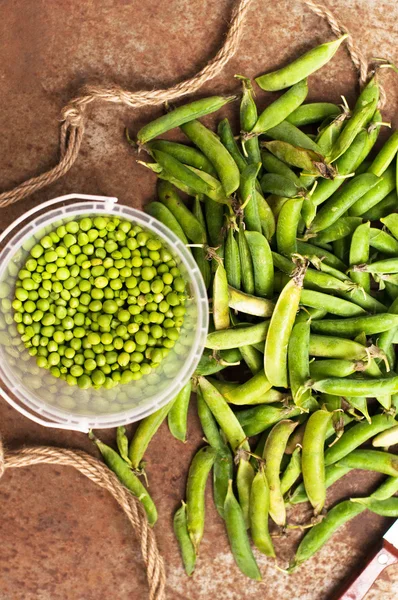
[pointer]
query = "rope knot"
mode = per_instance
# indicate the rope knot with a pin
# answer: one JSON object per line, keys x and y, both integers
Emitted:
{"x": 73, "y": 115}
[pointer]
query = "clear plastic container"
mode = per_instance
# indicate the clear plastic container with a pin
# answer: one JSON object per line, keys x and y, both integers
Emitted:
{"x": 40, "y": 396}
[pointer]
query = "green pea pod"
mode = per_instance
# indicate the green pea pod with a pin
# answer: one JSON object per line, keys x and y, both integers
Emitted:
{"x": 359, "y": 254}
{"x": 298, "y": 362}
{"x": 281, "y": 325}
{"x": 197, "y": 477}
{"x": 327, "y": 137}
{"x": 251, "y": 305}
{"x": 178, "y": 170}
{"x": 129, "y": 480}
{"x": 232, "y": 260}
{"x": 334, "y": 367}
{"x": 163, "y": 214}
{"x": 389, "y": 265}
{"x": 372, "y": 460}
{"x": 259, "y": 509}
{"x": 244, "y": 480}
{"x": 238, "y": 538}
{"x": 199, "y": 254}
{"x": 214, "y": 213}
{"x": 360, "y": 404}
{"x": 306, "y": 314}
{"x": 271, "y": 183}
{"x": 180, "y": 115}
{"x": 345, "y": 165}
{"x": 280, "y": 109}
{"x": 360, "y": 117}
{"x": 247, "y": 192}
{"x": 292, "y": 471}
{"x": 145, "y": 432}
{"x": 357, "y": 436}
{"x": 357, "y": 387}
{"x": 216, "y": 152}
{"x": 336, "y": 347}
{"x": 208, "y": 365}
{"x": 345, "y": 198}
{"x": 263, "y": 266}
{"x": 344, "y": 227}
{"x": 385, "y": 185}
{"x": 193, "y": 230}
{"x": 286, "y": 228}
{"x": 332, "y": 474}
{"x": 385, "y": 508}
{"x": 209, "y": 424}
{"x": 383, "y": 242}
{"x": 266, "y": 215}
{"x": 253, "y": 358}
{"x": 224, "y": 416}
{"x": 332, "y": 304}
{"x": 257, "y": 419}
{"x": 351, "y": 327}
{"x": 220, "y": 299}
{"x": 300, "y": 68}
{"x": 386, "y": 340}
{"x": 216, "y": 192}
{"x": 248, "y": 119}
{"x": 185, "y": 154}
{"x": 388, "y": 488}
{"x": 273, "y": 164}
{"x": 313, "y": 458}
{"x": 222, "y": 472}
{"x": 306, "y": 249}
{"x": 187, "y": 549}
{"x": 391, "y": 222}
{"x": 122, "y": 443}
{"x": 385, "y": 156}
{"x": 235, "y": 337}
{"x": 286, "y": 132}
{"x": 246, "y": 262}
{"x": 308, "y": 160}
{"x": 315, "y": 112}
{"x": 249, "y": 391}
{"x": 227, "y": 137}
{"x": 273, "y": 453}
{"x": 177, "y": 417}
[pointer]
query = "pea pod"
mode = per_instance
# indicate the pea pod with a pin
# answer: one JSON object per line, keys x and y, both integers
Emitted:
{"x": 360, "y": 117}
{"x": 248, "y": 119}
{"x": 383, "y": 242}
{"x": 249, "y": 391}
{"x": 187, "y": 549}
{"x": 303, "y": 66}
{"x": 372, "y": 460}
{"x": 232, "y": 260}
{"x": 282, "y": 321}
{"x": 257, "y": 419}
{"x": 190, "y": 225}
{"x": 247, "y": 192}
{"x": 209, "y": 364}
{"x": 308, "y": 160}
{"x": 332, "y": 304}
{"x": 266, "y": 216}
{"x": 385, "y": 156}
{"x": 357, "y": 387}
{"x": 312, "y": 461}
{"x": 208, "y": 423}
{"x": 220, "y": 299}
{"x": 199, "y": 254}
{"x": 286, "y": 229}
{"x": 385, "y": 185}
{"x": 238, "y": 538}
{"x": 306, "y": 314}
{"x": 336, "y": 347}
{"x": 216, "y": 152}
{"x": 122, "y": 443}
{"x": 216, "y": 191}
{"x": 328, "y": 135}
{"x": 344, "y": 227}
{"x": 128, "y": 478}
{"x": 280, "y": 109}
{"x": 389, "y": 265}
{"x": 235, "y": 337}
{"x": 214, "y": 213}
{"x": 292, "y": 471}
{"x": 271, "y": 183}
{"x": 145, "y": 432}
{"x": 227, "y": 137}
{"x": 286, "y": 132}
{"x": 332, "y": 474}
{"x": 334, "y": 367}
{"x": 315, "y": 112}
{"x": 306, "y": 249}
{"x": 246, "y": 262}
{"x": 263, "y": 266}
{"x": 360, "y": 404}
{"x": 197, "y": 477}
{"x": 259, "y": 509}
{"x": 298, "y": 362}
{"x": 244, "y": 480}
{"x": 163, "y": 214}
{"x": 273, "y": 164}
{"x": 177, "y": 417}
{"x": 391, "y": 222}
{"x": 338, "y": 205}
{"x": 372, "y": 132}
{"x": 180, "y": 115}
{"x": 386, "y": 438}
{"x": 248, "y": 304}
{"x": 178, "y": 170}
{"x": 224, "y": 416}
{"x": 385, "y": 508}
{"x": 388, "y": 488}
{"x": 185, "y": 154}
{"x": 359, "y": 254}
{"x": 273, "y": 453}
{"x": 222, "y": 472}
{"x": 253, "y": 358}
{"x": 351, "y": 327}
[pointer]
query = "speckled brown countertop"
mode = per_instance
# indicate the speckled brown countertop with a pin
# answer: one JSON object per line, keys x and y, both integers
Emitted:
{"x": 61, "y": 537}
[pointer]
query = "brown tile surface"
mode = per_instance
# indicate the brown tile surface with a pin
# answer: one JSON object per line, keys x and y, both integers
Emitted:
{"x": 61, "y": 538}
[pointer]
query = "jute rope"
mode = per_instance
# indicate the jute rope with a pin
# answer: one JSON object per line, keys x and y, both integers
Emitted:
{"x": 95, "y": 470}
{"x": 73, "y": 114}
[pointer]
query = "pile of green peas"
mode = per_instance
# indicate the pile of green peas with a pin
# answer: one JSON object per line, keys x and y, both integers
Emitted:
{"x": 99, "y": 301}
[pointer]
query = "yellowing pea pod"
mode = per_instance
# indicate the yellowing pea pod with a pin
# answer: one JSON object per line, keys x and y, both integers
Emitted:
{"x": 235, "y": 337}
{"x": 281, "y": 108}
{"x": 216, "y": 152}
{"x": 180, "y": 115}
{"x": 248, "y": 304}
{"x": 300, "y": 68}
{"x": 220, "y": 299}
{"x": 308, "y": 160}
{"x": 386, "y": 438}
